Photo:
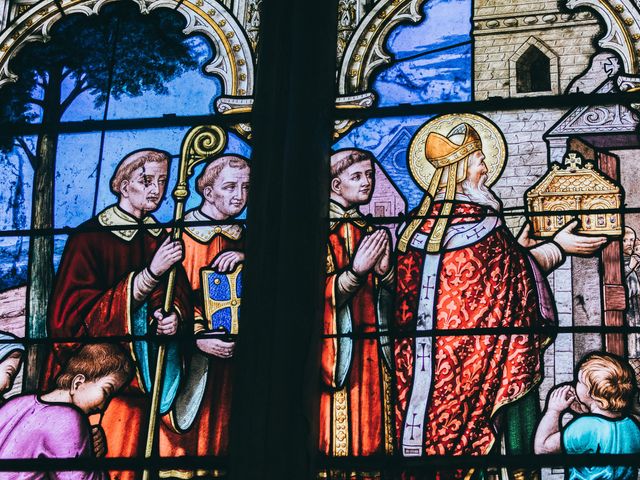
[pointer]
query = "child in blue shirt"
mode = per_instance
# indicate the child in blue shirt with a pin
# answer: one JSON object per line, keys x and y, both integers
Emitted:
{"x": 603, "y": 397}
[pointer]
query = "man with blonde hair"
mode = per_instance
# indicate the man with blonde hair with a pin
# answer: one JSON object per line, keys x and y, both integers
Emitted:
{"x": 111, "y": 282}
{"x": 213, "y": 241}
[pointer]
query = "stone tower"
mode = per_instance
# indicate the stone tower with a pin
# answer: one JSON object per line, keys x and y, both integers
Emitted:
{"x": 529, "y": 47}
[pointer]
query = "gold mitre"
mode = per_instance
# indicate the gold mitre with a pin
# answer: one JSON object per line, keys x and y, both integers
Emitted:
{"x": 449, "y": 157}
{"x": 442, "y": 151}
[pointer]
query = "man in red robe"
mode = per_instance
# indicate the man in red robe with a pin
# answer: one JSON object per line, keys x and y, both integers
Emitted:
{"x": 223, "y": 186}
{"x": 355, "y": 402}
{"x": 459, "y": 267}
{"x": 111, "y": 282}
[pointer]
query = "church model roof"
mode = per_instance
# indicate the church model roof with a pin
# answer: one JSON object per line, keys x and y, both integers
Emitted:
{"x": 573, "y": 179}
{"x": 575, "y": 189}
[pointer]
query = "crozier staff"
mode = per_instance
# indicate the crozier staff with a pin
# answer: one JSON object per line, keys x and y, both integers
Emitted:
{"x": 111, "y": 283}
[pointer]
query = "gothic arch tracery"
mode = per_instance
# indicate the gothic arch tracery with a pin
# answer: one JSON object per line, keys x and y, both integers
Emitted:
{"x": 366, "y": 50}
{"x": 233, "y": 60}
{"x": 622, "y": 28}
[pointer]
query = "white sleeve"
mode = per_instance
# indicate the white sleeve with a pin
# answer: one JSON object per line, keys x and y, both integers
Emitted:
{"x": 347, "y": 284}
{"x": 548, "y": 255}
{"x": 143, "y": 285}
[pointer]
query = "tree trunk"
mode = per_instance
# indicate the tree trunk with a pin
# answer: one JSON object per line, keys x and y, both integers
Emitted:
{"x": 40, "y": 275}
{"x": 17, "y": 214}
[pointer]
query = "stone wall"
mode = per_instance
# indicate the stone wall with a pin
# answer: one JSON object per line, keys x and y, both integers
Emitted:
{"x": 506, "y": 8}
{"x": 527, "y": 158}
{"x": 527, "y": 162}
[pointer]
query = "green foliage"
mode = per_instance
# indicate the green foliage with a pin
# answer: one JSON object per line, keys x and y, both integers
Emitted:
{"x": 120, "y": 52}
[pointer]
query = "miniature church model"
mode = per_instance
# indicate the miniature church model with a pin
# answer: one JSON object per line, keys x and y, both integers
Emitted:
{"x": 575, "y": 190}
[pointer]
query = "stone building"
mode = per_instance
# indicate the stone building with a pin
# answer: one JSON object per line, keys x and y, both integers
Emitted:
{"x": 524, "y": 48}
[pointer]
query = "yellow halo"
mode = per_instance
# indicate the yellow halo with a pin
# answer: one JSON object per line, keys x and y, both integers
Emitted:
{"x": 493, "y": 145}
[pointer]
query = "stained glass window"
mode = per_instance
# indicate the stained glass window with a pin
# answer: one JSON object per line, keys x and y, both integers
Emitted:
{"x": 125, "y": 191}
{"x": 479, "y": 242}
{"x": 479, "y": 293}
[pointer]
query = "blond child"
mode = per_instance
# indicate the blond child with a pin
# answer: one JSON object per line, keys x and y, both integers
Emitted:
{"x": 603, "y": 397}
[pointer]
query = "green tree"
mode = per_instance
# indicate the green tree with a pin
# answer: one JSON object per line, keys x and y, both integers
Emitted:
{"x": 118, "y": 53}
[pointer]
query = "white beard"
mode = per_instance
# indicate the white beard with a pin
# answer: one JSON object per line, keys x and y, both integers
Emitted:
{"x": 481, "y": 194}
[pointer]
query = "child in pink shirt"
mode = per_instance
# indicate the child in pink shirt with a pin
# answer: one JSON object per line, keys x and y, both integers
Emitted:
{"x": 56, "y": 424}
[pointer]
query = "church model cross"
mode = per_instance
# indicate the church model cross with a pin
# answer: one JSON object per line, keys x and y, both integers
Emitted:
{"x": 573, "y": 161}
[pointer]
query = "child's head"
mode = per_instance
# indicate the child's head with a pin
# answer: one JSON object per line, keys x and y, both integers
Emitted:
{"x": 606, "y": 381}
{"x": 9, "y": 368}
{"x": 93, "y": 374}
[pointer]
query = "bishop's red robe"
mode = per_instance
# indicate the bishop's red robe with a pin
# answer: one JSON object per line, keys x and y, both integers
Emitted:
{"x": 209, "y": 434}
{"x": 93, "y": 297}
{"x": 491, "y": 283}
{"x": 355, "y": 408}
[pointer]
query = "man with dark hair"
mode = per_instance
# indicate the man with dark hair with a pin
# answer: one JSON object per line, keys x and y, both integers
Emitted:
{"x": 91, "y": 377}
{"x": 111, "y": 282}
{"x": 355, "y": 403}
{"x": 224, "y": 188}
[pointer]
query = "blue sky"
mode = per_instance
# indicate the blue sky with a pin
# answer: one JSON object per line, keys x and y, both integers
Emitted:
{"x": 429, "y": 78}
{"x": 445, "y": 22}
{"x": 423, "y": 78}
{"x": 192, "y": 93}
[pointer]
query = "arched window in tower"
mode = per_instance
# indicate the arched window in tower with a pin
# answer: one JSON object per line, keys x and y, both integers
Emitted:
{"x": 533, "y": 71}
{"x": 534, "y": 68}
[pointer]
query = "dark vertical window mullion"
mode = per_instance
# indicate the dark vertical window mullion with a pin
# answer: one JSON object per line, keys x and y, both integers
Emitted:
{"x": 274, "y": 414}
